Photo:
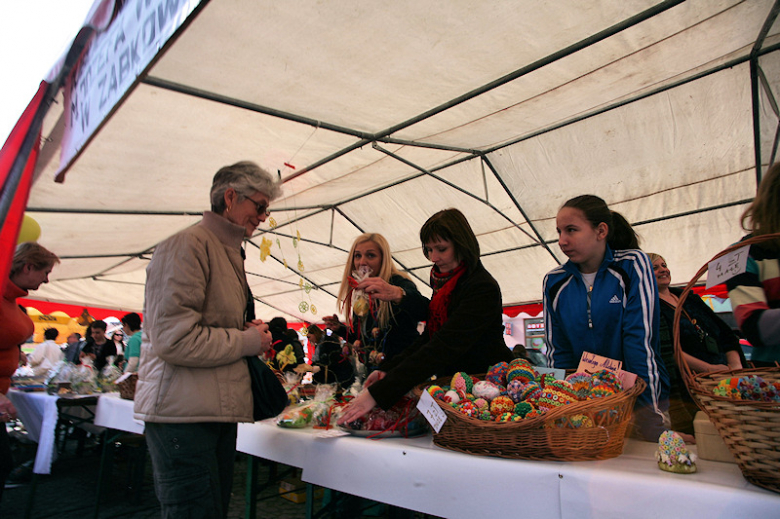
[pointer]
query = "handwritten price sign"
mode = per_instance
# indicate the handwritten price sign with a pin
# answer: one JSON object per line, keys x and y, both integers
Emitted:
{"x": 431, "y": 411}
{"x": 727, "y": 266}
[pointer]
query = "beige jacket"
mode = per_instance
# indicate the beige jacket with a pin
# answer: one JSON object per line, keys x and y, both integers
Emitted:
{"x": 194, "y": 344}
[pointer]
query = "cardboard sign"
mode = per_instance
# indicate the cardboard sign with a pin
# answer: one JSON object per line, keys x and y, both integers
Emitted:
{"x": 727, "y": 266}
{"x": 591, "y": 363}
{"x": 431, "y": 411}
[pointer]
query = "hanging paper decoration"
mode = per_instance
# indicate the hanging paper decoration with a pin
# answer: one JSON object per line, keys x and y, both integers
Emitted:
{"x": 265, "y": 249}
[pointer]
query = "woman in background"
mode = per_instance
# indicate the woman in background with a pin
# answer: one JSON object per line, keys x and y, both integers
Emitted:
{"x": 604, "y": 300}
{"x": 707, "y": 342}
{"x": 30, "y": 268}
{"x": 396, "y": 305}
{"x": 464, "y": 329}
{"x": 755, "y": 294}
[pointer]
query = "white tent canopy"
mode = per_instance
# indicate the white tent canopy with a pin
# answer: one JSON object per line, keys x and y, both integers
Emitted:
{"x": 391, "y": 111}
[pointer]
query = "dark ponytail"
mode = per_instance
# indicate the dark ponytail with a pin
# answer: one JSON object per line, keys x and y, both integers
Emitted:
{"x": 620, "y": 234}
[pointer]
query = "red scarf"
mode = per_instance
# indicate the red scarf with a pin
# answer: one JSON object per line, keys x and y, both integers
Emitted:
{"x": 443, "y": 285}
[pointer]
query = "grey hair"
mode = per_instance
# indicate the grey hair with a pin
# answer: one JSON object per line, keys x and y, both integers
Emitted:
{"x": 246, "y": 178}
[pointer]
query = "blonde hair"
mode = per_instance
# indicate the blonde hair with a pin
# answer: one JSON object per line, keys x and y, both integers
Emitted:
{"x": 763, "y": 214}
{"x": 386, "y": 271}
{"x": 653, "y": 256}
{"x": 32, "y": 253}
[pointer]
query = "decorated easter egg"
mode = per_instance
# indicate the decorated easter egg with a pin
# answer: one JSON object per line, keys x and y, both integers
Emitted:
{"x": 523, "y": 408}
{"x": 497, "y": 373}
{"x": 452, "y": 397}
{"x": 522, "y": 370}
{"x": 468, "y": 408}
{"x": 436, "y": 392}
{"x": 486, "y": 389}
{"x": 482, "y": 404}
{"x": 462, "y": 382}
{"x": 581, "y": 382}
{"x": 501, "y": 404}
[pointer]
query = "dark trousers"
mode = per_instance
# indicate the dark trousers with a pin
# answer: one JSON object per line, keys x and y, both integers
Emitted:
{"x": 6, "y": 458}
{"x": 193, "y": 467}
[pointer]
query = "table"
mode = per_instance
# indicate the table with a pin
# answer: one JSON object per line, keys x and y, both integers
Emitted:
{"x": 40, "y": 413}
{"x": 115, "y": 414}
{"x": 413, "y": 473}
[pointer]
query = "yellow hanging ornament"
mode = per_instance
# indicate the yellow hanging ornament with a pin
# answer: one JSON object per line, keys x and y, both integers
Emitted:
{"x": 265, "y": 249}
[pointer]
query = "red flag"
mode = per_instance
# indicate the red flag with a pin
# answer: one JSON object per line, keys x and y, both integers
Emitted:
{"x": 11, "y": 150}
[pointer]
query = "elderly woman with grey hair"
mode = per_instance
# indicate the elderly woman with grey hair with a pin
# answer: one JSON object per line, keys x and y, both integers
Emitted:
{"x": 193, "y": 384}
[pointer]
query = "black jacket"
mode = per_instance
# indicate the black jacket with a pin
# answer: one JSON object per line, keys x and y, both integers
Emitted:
{"x": 401, "y": 331}
{"x": 471, "y": 340}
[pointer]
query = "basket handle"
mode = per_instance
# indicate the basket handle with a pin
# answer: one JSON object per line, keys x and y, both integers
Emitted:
{"x": 688, "y": 375}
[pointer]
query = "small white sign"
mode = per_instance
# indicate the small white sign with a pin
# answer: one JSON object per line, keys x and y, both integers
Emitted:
{"x": 727, "y": 266}
{"x": 431, "y": 411}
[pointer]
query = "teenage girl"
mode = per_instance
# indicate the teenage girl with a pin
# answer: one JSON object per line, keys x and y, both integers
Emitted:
{"x": 604, "y": 300}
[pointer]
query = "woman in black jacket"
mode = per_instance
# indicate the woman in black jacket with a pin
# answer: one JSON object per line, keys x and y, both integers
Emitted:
{"x": 707, "y": 342}
{"x": 464, "y": 329}
{"x": 396, "y": 306}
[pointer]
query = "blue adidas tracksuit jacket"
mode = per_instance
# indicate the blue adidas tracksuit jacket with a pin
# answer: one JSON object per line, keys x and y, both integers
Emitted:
{"x": 625, "y": 321}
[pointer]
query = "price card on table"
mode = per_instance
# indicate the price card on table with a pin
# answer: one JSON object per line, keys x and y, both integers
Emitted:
{"x": 431, "y": 411}
{"x": 727, "y": 266}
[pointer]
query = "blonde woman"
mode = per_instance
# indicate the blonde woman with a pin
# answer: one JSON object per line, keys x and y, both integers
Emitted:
{"x": 396, "y": 305}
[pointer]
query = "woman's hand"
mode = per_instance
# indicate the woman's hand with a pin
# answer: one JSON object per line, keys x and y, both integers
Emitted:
{"x": 7, "y": 409}
{"x": 380, "y": 289}
{"x": 375, "y": 376}
{"x": 265, "y": 336}
{"x": 357, "y": 408}
{"x": 732, "y": 357}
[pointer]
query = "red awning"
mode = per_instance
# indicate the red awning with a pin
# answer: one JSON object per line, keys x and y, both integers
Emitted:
{"x": 47, "y": 307}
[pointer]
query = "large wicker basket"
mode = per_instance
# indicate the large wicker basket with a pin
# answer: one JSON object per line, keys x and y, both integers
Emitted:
{"x": 549, "y": 437}
{"x": 750, "y": 429}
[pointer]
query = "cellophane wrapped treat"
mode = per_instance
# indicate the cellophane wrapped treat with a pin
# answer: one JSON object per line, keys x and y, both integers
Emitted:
{"x": 292, "y": 384}
{"x": 309, "y": 412}
{"x": 360, "y": 301}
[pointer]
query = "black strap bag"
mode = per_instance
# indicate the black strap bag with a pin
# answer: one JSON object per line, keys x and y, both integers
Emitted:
{"x": 268, "y": 395}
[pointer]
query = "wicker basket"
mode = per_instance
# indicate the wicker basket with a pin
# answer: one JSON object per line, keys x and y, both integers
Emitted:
{"x": 127, "y": 386}
{"x": 548, "y": 437}
{"x": 751, "y": 430}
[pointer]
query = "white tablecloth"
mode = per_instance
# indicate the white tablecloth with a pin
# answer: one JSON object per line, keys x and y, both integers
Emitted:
{"x": 114, "y": 412}
{"x": 414, "y": 473}
{"x": 38, "y": 412}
